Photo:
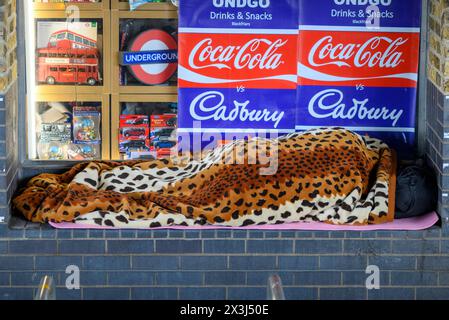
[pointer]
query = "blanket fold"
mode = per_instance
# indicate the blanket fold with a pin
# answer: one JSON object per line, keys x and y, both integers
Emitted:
{"x": 329, "y": 175}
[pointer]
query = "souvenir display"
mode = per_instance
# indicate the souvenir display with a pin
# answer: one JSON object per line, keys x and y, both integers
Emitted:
{"x": 134, "y": 133}
{"x": 56, "y": 132}
{"x": 67, "y": 53}
{"x": 86, "y": 125}
{"x": 68, "y": 132}
{"x": 163, "y": 133}
{"x": 83, "y": 151}
{"x": 53, "y": 150}
{"x": 148, "y": 52}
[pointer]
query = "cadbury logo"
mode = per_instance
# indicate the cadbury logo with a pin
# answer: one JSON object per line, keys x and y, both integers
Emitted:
{"x": 256, "y": 53}
{"x": 363, "y": 2}
{"x": 210, "y": 106}
{"x": 329, "y": 104}
{"x": 241, "y": 3}
{"x": 361, "y": 55}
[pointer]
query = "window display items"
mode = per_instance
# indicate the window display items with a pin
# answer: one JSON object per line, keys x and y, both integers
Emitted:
{"x": 56, "y": 132}
{"x": 151, "y": 56}
{"x": 163, "y": 134}
{"x": 86, "y": 125}
{"x": 52, "y": 150}
{"x": 67, "y": 53}
{"x": 83, "y": 151}
{"x": 54, "y": 140}
{"x": 134, "y": 134}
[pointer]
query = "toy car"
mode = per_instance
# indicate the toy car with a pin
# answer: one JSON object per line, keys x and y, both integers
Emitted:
{"x": 172, "y": 122}
{"x": 134, "y": 132}
{"x": 133, "y": 144}
{"x": 164, "y": 134}
{"x": 164, "y": 144}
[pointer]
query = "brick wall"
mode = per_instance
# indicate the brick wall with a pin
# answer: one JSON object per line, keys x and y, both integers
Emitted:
{"x": 225, "y": 264}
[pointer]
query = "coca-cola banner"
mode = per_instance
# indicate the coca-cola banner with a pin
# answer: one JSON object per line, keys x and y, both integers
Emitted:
{"x": 237, "y": 66}
{"x": 358, "y": 67}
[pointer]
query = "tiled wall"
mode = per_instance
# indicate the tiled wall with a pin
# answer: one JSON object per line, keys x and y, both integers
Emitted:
{"x": 225, "y": 264}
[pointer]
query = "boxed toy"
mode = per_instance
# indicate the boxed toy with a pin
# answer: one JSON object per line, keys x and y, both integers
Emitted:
{"x": 54, "y": 141}
{"x": 61, "y": 132}
{"x": 134, "y": 145}
{"x": 133, "y": 120}
{"x": 164, "y": 121}
{"x": 86, "y": 125}
{"x": 134, "y": 133}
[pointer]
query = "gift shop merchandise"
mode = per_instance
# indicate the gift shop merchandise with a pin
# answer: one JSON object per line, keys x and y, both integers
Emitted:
{"x": 134, "y": 133}
{"x": 67, "y": 53}
{"x": 65, "y": 135}
{"x": 148, "y": 52}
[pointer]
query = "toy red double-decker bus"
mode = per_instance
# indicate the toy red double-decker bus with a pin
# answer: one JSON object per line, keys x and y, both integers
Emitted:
{"x": 69, "y": 58}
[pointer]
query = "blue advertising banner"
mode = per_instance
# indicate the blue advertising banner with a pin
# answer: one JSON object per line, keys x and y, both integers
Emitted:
{"x": 244, "y": 14}
{"x": 237, "y": 66}
{"x": 363, "y": 13}
{"x": 358, "y": 66}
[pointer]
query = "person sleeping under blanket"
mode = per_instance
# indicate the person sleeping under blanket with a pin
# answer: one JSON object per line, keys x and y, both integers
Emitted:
{"x": 330, "y": 175}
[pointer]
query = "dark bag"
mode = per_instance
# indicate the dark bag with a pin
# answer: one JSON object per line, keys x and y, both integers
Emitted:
{"x": 416, "y": 191}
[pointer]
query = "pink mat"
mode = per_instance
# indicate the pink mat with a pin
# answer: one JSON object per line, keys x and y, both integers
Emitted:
{"x": 410, "y": 224}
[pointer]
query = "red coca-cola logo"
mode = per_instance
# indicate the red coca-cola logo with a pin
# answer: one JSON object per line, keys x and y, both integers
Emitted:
{"x": 353, "y": 58}
{"x": 257, "y": 53}
{"x": 368, "y": 54}
{"x": 252, "y": 61}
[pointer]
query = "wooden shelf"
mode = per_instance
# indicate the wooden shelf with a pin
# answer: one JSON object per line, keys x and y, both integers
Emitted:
{"x": 119, "y": 5}
{"x": 148, "y": 90}
{"x": 116, "y": 101}
{"x": 70, "y": 90}
{"x": 57, "y": 14}
{"x": 38, "y": 6}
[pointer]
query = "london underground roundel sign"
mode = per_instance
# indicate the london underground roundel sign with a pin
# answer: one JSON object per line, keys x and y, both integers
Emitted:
{"x": 152, "y": 57}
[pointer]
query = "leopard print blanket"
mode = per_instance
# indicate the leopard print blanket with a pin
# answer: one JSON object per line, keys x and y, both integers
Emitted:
{"x": 328, "y": 175}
